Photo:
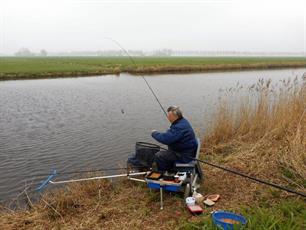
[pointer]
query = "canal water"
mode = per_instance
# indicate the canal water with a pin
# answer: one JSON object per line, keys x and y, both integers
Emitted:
{"x": 93, "y": 122}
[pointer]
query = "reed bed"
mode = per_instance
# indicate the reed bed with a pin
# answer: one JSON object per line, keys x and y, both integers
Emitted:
{"x": 266, "y": 130}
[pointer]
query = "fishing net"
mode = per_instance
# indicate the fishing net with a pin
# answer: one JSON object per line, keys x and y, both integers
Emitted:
{"x": 144, "y": 154}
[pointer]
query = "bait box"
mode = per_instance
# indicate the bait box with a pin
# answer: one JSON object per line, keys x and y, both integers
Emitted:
{"x": 165, "y": 185}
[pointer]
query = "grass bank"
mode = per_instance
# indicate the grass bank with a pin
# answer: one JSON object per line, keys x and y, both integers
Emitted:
{"x": 262, "y": 135}
{"x": 54, "y": 67}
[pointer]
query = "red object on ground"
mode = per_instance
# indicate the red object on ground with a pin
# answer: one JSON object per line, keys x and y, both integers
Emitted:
{"x": 195, "y": 209}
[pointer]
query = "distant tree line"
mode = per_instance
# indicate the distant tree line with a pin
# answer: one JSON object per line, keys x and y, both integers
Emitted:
{"x": 25, "y": 52}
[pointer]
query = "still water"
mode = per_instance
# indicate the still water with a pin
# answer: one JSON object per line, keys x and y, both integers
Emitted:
{"x": 94, "y": 122}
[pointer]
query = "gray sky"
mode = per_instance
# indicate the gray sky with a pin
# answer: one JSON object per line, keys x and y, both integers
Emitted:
{"x": 220, "y": 25}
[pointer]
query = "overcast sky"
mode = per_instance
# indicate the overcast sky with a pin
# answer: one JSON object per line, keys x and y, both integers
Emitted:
{"x": 219, "y": 25}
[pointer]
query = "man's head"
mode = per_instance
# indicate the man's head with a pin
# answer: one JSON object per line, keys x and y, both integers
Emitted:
{"x": 174, "y": 113}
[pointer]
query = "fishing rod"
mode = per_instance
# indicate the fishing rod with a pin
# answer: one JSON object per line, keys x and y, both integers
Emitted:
{"x": 132, "y": 60}
{"x": 54, "y": 173}
{"x": 232, "y": 171}
{"x": 82, "y": 171}
{"x": 252, "y": 178}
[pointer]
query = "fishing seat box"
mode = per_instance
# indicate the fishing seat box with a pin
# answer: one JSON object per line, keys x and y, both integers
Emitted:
{"x": 192, "y": 165}
{"x": 165, "y": 185}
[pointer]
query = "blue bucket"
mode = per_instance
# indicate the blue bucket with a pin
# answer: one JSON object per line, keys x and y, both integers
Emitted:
{"x": 219, "y": 215}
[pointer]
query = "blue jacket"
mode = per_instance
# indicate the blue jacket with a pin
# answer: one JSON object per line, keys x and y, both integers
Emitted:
{"x": 179, "y": 138}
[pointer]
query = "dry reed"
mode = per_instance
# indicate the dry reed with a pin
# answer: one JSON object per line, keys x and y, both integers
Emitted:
{"x": 266, "y": 130}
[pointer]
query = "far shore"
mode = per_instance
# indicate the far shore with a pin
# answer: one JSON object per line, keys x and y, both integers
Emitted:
{"x": 18, "y": 68}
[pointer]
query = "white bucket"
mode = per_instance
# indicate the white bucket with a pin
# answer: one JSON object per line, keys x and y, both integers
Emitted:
{"x": 190, "y": 201}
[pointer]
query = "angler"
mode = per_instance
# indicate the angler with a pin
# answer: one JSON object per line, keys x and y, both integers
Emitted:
{"x": 180, "y": 138}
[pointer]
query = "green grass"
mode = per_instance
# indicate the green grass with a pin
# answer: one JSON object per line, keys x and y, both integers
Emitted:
{"x": 288, "y": 214}
{"x": 37, "y": 67}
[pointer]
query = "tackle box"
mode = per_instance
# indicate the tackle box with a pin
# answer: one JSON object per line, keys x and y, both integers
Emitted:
{"x": 165, "y": 185}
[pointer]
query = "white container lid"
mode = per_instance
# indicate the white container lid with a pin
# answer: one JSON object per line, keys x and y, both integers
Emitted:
{"x": 190, "y": 200}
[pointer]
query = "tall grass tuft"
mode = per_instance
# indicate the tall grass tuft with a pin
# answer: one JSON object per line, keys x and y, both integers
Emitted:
{"x": 269, "y": 124}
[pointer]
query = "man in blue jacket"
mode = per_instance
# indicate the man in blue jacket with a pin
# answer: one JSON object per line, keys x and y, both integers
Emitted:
{"x": 180, "y": 138}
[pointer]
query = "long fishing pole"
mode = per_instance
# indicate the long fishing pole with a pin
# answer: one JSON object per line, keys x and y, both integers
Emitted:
{"x": 132, "y": 60}
{"x": 82, "y": 171}
{"x": 252, "y": 178}
{"x": 234, "y": 172}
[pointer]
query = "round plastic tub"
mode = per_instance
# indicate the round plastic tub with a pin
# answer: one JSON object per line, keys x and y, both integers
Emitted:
{"x": 221, "y": 219}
